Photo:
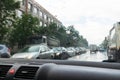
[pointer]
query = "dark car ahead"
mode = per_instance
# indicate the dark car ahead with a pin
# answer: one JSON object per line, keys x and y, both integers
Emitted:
{"x": 40, "y": 51}
{"x": 60, "y": 53}
{"x": 83, "y": 50}
{"x": 71, "y": 51}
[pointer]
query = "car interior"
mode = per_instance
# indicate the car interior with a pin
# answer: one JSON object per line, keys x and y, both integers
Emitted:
{"x": 85, "y": 33}
{"x": 30, "y": 69}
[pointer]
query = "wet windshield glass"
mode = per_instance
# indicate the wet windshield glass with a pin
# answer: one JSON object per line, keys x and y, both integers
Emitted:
{"x": 87, "y": 30}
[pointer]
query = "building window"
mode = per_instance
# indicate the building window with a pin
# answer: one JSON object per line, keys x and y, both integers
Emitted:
{"x": 23, "y": 2}
{"x": 29, "y": 6}
{"x": 31, "y": 9}
{"x": 48, "y": 19}
{"x": 40, "y": 13}
{"x": 45, "y": 17}
{"x": 35, "y": 10}
{"x": 52, "y": 20}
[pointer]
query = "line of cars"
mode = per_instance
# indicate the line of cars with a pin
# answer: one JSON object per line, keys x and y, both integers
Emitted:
{"x": 42, "y": 51}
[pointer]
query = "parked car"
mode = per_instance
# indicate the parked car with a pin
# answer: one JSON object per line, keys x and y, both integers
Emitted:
{"x": 40, "y": 51}
{"x": 71, "y": 51}
{"x": 83, "y": 50}
{"x": 4, "y": 51}
{"x": 60, "y": 53}
{"x": 78, "y": 50}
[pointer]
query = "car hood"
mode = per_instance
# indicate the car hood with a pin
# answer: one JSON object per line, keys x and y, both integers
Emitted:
{"x": 26, "y": 55}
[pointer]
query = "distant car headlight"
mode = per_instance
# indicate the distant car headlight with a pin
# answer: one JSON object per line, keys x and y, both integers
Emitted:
{"x": 57, "y": 54}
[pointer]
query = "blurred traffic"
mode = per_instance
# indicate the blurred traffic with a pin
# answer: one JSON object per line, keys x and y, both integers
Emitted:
{"x": 42, "y": 51}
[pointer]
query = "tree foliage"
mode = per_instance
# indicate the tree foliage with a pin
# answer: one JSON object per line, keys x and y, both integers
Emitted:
{"x": 66, "y": 39}
{"x": 28, "y": 26}
{"x": 7, "y": 15}
{"x": 23, "y": 28}
{"x": 74, "y": 39}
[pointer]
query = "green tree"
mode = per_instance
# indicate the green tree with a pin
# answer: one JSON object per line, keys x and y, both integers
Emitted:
{"x": 7, "y": 15}
{"x": 66, "y": 39}
{"x": 23, "y": 28}
{"x": 75, "y": 39}
{"x": 83, "y": 42}
{"x": 51, "y": 29}
{"x": 48, "y": 30}
{"x": 62, "y": 36}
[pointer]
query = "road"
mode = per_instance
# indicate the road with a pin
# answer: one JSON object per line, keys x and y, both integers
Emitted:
{"x": 96, "y": 57}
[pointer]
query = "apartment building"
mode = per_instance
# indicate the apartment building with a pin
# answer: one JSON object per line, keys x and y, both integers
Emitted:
{"x": 34, "y": 8}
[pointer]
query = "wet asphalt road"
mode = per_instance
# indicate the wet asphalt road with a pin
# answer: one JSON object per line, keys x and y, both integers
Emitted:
{"x": 96, "y": 57}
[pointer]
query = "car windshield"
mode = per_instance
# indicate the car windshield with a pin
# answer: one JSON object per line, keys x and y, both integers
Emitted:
{"x": 56, "y": 49}
{"x": 70, "y": 49}
{"x": 59, "y": 48}
{"x": 84, "y": 30}
{"x": 30, "y": 49}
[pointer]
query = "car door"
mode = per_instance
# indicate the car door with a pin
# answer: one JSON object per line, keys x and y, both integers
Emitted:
{"x": 44, "y": 52}
{"x": 47, "y": 53}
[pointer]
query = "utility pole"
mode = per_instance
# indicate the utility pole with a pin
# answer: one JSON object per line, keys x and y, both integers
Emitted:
{"x": 26, "y": 6}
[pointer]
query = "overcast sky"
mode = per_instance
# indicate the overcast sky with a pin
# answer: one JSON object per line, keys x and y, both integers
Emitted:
{"x": 92, "y": 18}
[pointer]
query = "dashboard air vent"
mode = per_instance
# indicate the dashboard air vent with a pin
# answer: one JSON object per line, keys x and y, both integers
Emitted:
{"x": 3, "y": 70}
{"x": 25, "y": 72}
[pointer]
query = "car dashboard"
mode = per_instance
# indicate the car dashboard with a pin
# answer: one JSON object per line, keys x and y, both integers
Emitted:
{"x": 25, "y": 69}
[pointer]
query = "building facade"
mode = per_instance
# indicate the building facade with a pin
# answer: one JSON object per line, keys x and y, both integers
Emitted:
{"x": 32, "y": 7}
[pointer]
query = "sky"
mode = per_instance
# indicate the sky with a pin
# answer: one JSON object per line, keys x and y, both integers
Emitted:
{"x": 92, "y": 18}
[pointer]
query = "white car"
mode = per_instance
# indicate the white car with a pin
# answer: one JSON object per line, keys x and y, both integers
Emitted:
{"x": 71, "y": 51}
{"x": 38, "y": 51}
